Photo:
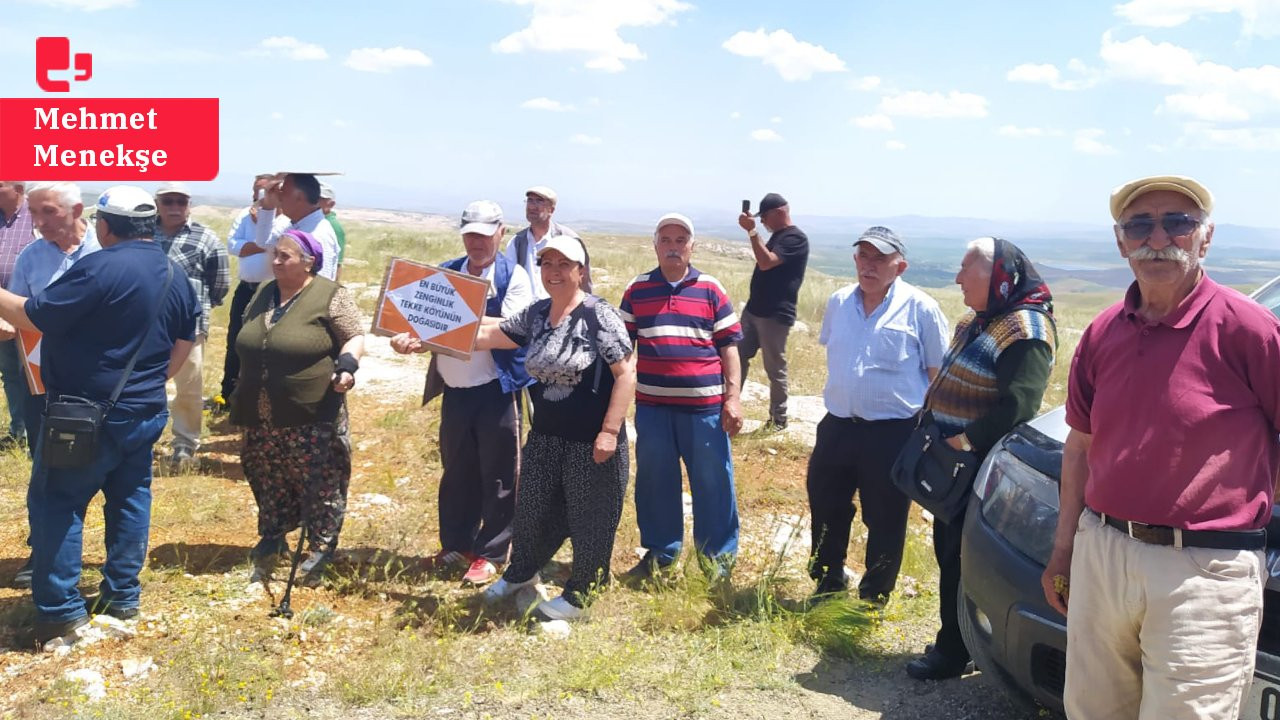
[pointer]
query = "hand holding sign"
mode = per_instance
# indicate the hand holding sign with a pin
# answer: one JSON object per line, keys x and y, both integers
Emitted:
{"x": 429, "y": 308}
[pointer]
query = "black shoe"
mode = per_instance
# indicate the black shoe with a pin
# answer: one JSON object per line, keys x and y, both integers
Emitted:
{"x": 46, "y": 631}
{"x": 830, "y": 586}
{"x": 100, "y": 606}
{"x": 22, "y": 578}
{"x": 933, "y": 665}
{"x": 266, "y": 555}
{"x": 648, "y": 568}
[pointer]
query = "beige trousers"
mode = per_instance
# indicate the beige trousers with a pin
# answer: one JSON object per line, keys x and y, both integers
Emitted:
{"x": 187, "y": 407}
{"x": 1156, "y": 632}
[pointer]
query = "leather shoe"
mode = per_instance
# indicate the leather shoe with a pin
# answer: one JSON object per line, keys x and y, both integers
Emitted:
{"x": 933, "y": 665}
{"x": 46, "y": 631}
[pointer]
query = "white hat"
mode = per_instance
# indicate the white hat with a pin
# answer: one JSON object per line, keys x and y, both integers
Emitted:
{"x": 326, "y": 191}
{"x": 674, "y": 219}
{"x": 567, "y": 245}
{"x": 542, "y": 191}
{"x": 1123, "y": 196}
{"x": 128, "y": 201}
{"x": 173, "y": 188}
{"x": 483, "y": 217}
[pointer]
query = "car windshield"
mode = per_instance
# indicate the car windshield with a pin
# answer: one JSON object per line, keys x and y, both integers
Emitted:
{"x": 1268, "y": 296}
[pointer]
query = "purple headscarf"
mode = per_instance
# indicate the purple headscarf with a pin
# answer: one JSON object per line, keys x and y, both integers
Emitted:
{"x": 310, "y": 246}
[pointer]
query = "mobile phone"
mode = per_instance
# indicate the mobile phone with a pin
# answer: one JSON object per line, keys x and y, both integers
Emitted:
{"x": 746, "y": 206}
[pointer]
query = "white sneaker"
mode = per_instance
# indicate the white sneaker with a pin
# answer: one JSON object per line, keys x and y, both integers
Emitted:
{"x": 501, "y": 589}
{"x": 559, "y": 609}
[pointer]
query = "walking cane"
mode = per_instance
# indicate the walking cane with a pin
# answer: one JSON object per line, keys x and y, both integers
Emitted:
{"x": 283, "y": 610}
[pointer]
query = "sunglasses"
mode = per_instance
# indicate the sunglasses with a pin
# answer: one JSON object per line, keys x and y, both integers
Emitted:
{"x": 169, "y": 200}
{"x": 1174, "y": 224}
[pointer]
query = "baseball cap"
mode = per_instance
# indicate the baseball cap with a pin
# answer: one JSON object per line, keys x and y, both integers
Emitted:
{"x": 1124, "y": 195}
{"x": 326, "y": 191}
{"x": 674, "y": 219}
{"x": 772, "y": 201}
{"x": 883, "y": 239}
{"x": 128, "y": 201}
{"x": 173, "y": 188}
{"x": 567, "y": 245}
{"x": 481, "y": 216}
{"x": 542, "y": 191}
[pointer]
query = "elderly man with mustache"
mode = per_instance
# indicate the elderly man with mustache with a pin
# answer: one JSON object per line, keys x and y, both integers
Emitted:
{"x": 1167, "y": 475}
{"x": 686, "y": 333}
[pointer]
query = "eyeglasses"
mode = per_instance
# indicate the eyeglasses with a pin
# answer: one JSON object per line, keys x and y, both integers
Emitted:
{"x": 171, "y": 200}
{"x": 1174, "y": 224}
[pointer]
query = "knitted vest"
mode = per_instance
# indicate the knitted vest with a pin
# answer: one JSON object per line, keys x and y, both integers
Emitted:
{"x": 292, "y": 360}
{"x": 966, "y": 389}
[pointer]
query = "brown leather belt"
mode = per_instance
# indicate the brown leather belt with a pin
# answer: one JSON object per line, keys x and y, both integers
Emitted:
{"x": 1177, "y": 537}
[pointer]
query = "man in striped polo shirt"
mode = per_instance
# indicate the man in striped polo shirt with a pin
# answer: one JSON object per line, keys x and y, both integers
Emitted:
{"x": 686, "y": 333}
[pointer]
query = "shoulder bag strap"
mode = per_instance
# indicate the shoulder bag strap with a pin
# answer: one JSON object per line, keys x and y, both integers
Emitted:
{"x": 155, "y": 315}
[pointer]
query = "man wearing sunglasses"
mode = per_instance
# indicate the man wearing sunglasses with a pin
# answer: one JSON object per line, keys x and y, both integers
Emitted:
{"x": 1167, "y": 475}
{"x": 197, "y": 250}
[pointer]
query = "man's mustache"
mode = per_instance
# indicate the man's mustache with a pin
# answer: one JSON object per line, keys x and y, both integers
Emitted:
{"x": 1172, "y": 252}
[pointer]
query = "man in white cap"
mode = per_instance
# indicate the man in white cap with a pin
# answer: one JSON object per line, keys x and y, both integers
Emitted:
{"x": 1168, "y": 475}
{"x": 293, "y": 202}
{"x": 480, "y": 414}
{"x": 328, "y": 199}
{"x": 885, "y": 341}
{"x": 202, "y": 256}
{"x": 685, "y": 332}
{"x": 126, "y": 300}
{"x": 539, "y": 206}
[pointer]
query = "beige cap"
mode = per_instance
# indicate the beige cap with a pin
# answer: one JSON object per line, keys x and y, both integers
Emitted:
{"x": 542, "y": 191}
{"x": 1124, "y": 195}
{"x": 173, "y": 188}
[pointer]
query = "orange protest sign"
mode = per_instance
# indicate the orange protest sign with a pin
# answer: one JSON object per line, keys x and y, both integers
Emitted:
{"x": 29, "y": 347}
{"x": 440, "y": 307}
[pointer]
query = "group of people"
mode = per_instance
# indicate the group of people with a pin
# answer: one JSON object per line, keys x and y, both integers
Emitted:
{"x": 1168, "y": 473}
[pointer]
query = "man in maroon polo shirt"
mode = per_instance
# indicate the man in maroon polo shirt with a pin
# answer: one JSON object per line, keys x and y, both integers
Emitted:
{"x": 1167, "y": 476}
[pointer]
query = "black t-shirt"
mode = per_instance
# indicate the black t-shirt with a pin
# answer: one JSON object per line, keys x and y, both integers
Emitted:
{"x": 567, "y": 403}
{"x": 774, "y": 292}
{"x": 93, "y": 316}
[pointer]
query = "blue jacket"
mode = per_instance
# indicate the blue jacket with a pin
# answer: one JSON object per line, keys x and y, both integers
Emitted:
{"x": 511, "y": 372}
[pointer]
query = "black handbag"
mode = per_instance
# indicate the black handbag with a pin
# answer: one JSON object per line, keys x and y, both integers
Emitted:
{"x": 932, "y": 473}
{"x": 73, "y": 425}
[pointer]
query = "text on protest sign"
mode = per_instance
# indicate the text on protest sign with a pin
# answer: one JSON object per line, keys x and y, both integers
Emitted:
{"x": 440, "y": 307}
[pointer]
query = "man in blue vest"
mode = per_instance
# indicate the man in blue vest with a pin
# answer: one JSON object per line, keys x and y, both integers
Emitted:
{"x": 480, "y": 417}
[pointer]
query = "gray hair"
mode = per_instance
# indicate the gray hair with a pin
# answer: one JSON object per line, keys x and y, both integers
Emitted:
{"x": 68, "y": 193}
{"x": 984, "y": 246}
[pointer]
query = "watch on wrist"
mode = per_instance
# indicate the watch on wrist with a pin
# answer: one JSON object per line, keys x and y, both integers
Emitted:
{"x": 753, "y": 233}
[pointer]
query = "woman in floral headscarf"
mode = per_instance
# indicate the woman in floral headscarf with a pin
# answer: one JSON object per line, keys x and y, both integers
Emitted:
{"x": 993, "y": 378}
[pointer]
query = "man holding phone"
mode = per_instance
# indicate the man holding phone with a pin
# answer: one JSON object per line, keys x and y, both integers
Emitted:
{"x": 775, "y": 285}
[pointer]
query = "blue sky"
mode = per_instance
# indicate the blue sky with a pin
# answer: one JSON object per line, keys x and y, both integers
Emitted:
{"x": 1020, "y": 111}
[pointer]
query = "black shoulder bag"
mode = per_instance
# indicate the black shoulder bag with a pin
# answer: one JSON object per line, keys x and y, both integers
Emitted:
{"x": 929, "y": 471}
{"x": 73, "y": 425}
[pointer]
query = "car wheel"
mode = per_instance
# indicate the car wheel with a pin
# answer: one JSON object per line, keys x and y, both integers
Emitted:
{"x": 973, "y": 639}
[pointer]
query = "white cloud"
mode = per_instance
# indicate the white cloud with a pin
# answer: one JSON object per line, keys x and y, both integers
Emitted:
{"x": 895, "y": 145}
{"x": 1248, "y": 90}
{"x": 793, "y": 59}
{"x": 865, "y": 84}
{"x": 384, "y": 60}
{"x": 1258, "y": 17}
{"x": 542, "y": 103}
{"x": 1210, "y": 107}
{"x": 1089, "y": 142}
{"x": 766, "y": 135}
{"x": 933, "y": 105}
{"x": 290, "y": 48}
{"x": 589, "y": 27}
{"x": 1249, "y": 139}
{"x": 735, "y": 115}
{"x": 1014, "y": 131}
{"x": 87, "y": 5}
{"x": 1048, "y": 74}
{"x": 584, "y": 139}
{"x": 775, "y": 119}
{"x": 873, "y": 122}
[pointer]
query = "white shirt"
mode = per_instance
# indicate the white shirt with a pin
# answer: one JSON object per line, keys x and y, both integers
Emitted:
{"x": 877, "y": 365}
{"x": 270, "y": 228}
{"x": 531, "y": 259}
{"x": 481, "y": 368}
{"x": 254, "y": 268}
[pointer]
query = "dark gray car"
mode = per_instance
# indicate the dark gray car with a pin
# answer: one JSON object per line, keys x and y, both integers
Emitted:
{"x": 1011, "y": 631}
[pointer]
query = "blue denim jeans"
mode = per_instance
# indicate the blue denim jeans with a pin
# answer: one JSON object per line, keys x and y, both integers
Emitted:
{"x": 57, "y": 501}
{"x": 15, "y": 387}
{"x": 665, "y": 437}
